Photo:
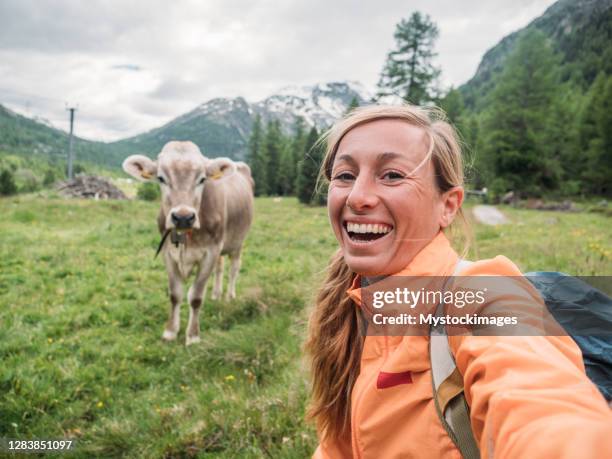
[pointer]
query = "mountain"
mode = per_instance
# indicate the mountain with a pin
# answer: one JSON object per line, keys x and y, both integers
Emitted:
{"x": 580, "y": 31}
{"x": 222, "y": 126}
{"x": 37, "y": 139}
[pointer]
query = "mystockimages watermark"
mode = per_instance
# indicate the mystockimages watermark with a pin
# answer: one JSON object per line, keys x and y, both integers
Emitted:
{"x": 485, "y": 305}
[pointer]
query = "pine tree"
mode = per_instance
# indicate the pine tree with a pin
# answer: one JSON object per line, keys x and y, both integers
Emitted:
{"x": 562, "y": 134}
{"x": 287, "y": 169}
{"x": 308, "y": 168}
{"x": 452, "y": 104}
{"x": 273, "y": 145}
{"x": 470, "y": 134}
{"x": 409, "y": 71}
{"x": 595, "y": 138}
{"x": 353, "y": 105}
{"x": 515, "y": 126}
{"x": 257, "y": 159}
{"x": 297, "y": 146}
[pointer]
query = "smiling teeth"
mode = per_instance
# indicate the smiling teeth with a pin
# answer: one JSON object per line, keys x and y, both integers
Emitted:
{"x": 367, "y": 228}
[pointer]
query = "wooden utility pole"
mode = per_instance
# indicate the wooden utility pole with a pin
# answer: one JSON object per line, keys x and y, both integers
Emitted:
{"x": 70, "y": 142}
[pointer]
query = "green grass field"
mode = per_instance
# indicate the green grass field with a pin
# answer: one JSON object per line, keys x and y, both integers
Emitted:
{"x": 83, "y": 304}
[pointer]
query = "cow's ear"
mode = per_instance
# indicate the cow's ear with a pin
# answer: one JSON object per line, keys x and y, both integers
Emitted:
{"x": 220, "y": 168}
{"x": 140, "y": 167}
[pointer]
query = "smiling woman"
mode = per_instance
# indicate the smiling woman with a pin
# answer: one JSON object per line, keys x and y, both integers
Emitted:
{"x": 382, "y": 176}
{"x": 395, "y": 186}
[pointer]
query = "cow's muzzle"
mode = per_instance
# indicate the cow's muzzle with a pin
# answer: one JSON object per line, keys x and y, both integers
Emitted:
{"x": 183, "y": 220}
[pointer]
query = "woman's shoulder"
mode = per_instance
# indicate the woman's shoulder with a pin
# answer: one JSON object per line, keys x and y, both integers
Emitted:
{"x": 497, "y": 266}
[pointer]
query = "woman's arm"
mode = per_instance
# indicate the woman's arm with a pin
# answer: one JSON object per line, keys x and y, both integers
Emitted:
{"x": 529, "y": 396}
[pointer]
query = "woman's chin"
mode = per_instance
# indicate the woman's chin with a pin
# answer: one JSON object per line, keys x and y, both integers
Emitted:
{"x": 368, "y": 266}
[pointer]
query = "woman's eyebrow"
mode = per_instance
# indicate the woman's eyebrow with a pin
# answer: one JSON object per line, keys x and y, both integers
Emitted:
{"x": 347, "y": 158}
{"x": 387, "y": 156}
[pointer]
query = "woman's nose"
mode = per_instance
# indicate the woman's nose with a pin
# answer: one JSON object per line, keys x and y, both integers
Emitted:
{"x": 362, "y": 195}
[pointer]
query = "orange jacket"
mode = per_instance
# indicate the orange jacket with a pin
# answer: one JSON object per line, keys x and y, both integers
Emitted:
{"x": 529, "y": 396}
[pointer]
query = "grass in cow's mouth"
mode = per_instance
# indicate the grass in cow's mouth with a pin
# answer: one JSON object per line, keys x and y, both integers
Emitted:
{"x": 82, "y": 306}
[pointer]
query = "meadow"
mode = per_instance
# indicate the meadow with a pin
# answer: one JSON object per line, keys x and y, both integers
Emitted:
{"x": 83, "y": 303}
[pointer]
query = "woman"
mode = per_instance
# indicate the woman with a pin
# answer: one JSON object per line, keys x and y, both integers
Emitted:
{"x": 395, "y": 186}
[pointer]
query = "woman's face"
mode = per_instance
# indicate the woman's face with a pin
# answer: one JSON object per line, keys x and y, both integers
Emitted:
{"x": 382, "y": 211}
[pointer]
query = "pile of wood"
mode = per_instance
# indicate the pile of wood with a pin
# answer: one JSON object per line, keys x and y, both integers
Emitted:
{"x": 90, "y": 187}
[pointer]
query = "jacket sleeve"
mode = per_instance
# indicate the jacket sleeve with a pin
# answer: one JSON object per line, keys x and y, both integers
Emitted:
{"x": 529, "y": 396}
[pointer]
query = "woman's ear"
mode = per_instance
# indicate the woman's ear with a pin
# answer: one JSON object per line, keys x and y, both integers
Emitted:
{"x": 451, "y": 200}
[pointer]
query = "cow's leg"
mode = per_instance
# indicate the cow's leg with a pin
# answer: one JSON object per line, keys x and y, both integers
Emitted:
{"x": 196, "y": 295}
{"x": 175, "y": 287}
{"x": 233, "y": 274}
{"x": 218, "y": 288}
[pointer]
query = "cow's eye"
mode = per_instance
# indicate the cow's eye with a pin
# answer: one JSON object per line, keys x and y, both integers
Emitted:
{"x": 160, "y": 179}
{"x": 201, "y": 181}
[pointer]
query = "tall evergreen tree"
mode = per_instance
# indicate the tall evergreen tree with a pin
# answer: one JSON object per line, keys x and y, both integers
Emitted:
{"x": 595, "y": 138}
{"x": 286, "y": 169}
{"x": 515, "y": 126}
{"x": 409, "y": 71}
{"x": 273, "y": 145}
{"x": 308, "y": 169}
{"x": 452, "y": 104}
{"x": 561, "y": 132}
{"x": 298, "y": 144}
{"x": 353, "y": 105}
{"x": 257, "y": 159}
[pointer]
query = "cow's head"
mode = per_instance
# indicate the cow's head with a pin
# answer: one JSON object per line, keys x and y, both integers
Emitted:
{"x": 182, "y": 172}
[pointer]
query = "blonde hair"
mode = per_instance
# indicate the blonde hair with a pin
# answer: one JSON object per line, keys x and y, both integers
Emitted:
{"x": 334, "y": 341}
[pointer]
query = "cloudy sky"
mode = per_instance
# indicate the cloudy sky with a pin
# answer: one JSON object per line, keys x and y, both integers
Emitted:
{"x": 131, "y": 66}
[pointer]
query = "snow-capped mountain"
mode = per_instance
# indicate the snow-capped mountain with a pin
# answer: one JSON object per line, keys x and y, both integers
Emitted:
{"x": 222, "y": 126}
{"x": 319, "y": 105}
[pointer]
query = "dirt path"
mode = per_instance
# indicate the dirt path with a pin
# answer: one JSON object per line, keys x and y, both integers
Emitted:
{"x": 489, "y": 215}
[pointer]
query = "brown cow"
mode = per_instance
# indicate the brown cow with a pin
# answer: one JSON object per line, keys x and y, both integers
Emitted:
{"x": 207, "y": 207}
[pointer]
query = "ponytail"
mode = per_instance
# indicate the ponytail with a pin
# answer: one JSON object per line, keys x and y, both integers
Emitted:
{"x": 334, "y": 344}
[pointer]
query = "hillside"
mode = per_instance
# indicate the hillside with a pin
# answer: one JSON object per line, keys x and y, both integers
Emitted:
{"x": 579, "y": 30}
{"x": 221, "y": 126}
{"x": 39, "y": 141}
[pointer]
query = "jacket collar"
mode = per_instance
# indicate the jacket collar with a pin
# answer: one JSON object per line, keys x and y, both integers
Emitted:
{"x": 437, "y": 258}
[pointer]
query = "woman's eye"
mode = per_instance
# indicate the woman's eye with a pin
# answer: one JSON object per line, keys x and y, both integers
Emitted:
{"x": 344, "y": 176}
{"x": 392, "y": 175}
{"x": 160, "y": 179}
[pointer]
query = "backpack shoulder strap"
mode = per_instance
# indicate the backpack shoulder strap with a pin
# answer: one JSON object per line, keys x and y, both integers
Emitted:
{"x": 447, "y": 381}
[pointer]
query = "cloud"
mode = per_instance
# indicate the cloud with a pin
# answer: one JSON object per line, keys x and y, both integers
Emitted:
{"x": 132, "y": 66}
